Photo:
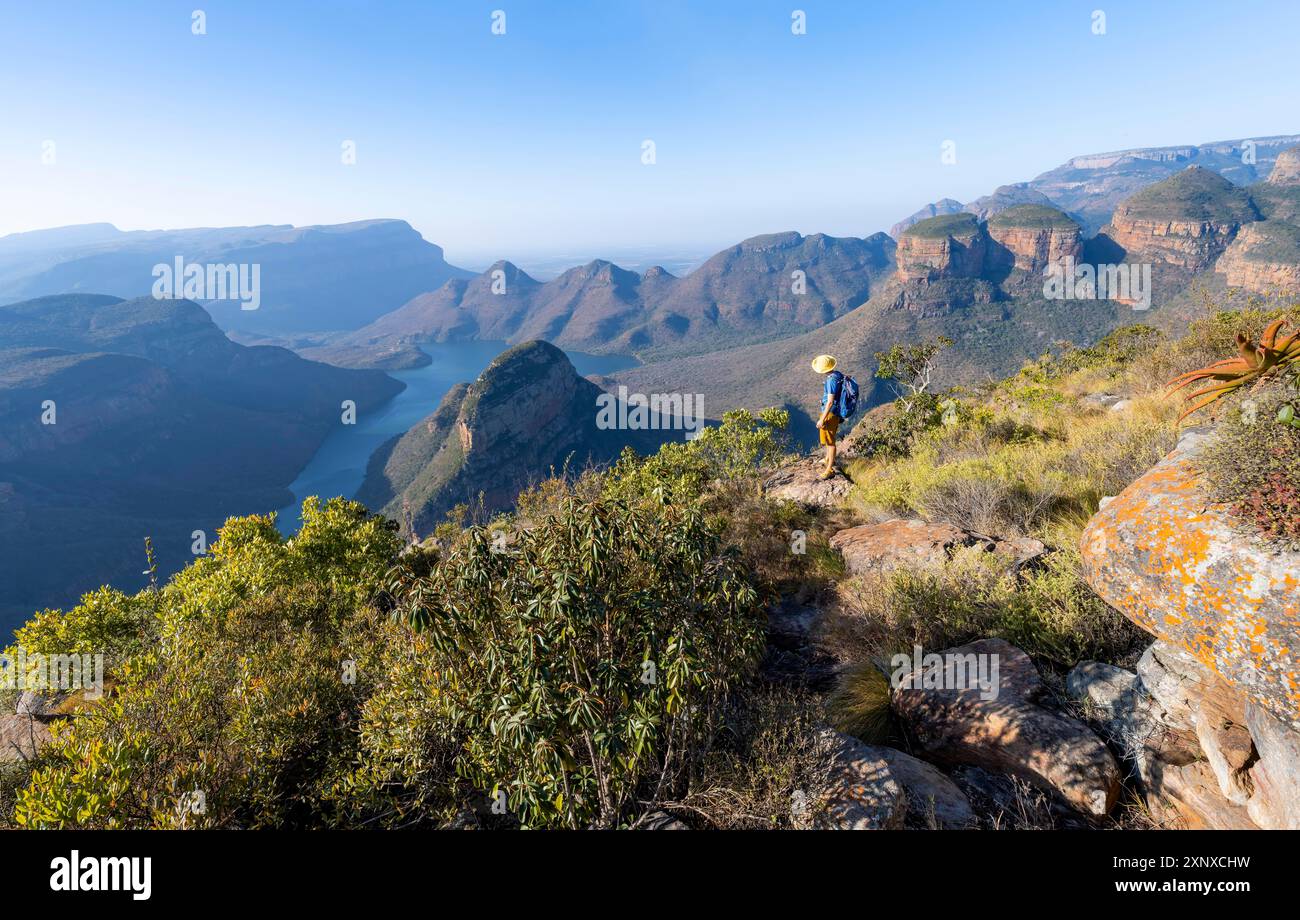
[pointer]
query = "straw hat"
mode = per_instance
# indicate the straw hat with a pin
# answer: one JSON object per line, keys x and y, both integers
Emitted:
{"x": 823, "y": 364}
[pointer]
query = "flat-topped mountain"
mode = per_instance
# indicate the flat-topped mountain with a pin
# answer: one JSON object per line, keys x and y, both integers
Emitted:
{"x": 1023, "y": 237}
{"x": 949, "y": 246}
{"x": 318, "y": 278}
{"x": 1187, "y": 220}
{"x": 763, "y": 287}
{"x": 121, "y": 419}
{"x": 525, "y": 416}
{"x": 1029, "y": 237}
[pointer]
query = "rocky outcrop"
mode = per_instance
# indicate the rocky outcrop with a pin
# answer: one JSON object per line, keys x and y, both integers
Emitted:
{"x": 951, "y": 246}
{"x": 872, "y": 549}
{"x": 1186, "y": 221}
{"x": 1029, "y": 237}
{"x": 1286, "y": 168}
{"x": 801, "y": 482}
{"x": 1003, "y": 728}
{"x": 1264, "y": 259}
{"x": 1178, "y": 566}
{"x": 21, "y": 737}
{"x": 1211, "y": 720}
{"x": 1204, "y": 756}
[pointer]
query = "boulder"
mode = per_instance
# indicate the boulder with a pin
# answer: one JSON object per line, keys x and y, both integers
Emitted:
{"x": 1275, "y": 776}
{"x": 933, "y": 800}
{"x": 878, "y": 548}
{"x": 662, "y": 821}
{"x": 43, "y": 706}
{"x": 790, "y": 624}
{"x": 1179, "y": 566}
{"x": 21, "y": 737}
{"x": 1001, "y": 727}
{"x": 913, "y": 543}
{"x": 800, "y": 482}
{"x": 864, "y": 792}
{"x": 1188, "y": 794}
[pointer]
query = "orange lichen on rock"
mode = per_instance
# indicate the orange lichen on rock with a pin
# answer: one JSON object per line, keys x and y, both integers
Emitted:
{"x": 1173, "y": 562}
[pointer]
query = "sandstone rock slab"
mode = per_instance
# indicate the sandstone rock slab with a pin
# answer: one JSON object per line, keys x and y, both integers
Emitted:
{"x": 930, "y": 794}
{"x": 800, "y": 482}
{"x": 1007, "y": 732}
{"x": 21, "y": 737}
{"x": 1275, "y": 801}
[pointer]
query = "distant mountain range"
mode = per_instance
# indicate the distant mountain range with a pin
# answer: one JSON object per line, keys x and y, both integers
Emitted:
{"x": 1090, "y": 187}
{"x": 981, "y": 283}
{"x": 313, "y": 279}
{"x": 121, "y": 419}
{"x": 764, "y": 287}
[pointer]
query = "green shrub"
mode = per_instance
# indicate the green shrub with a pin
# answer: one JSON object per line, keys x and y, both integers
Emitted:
{"x": 1049, "y": 612}
{"x": 575, "y": 673}
{"x": 734, "y": 453}
{"x": 244, "y": 703}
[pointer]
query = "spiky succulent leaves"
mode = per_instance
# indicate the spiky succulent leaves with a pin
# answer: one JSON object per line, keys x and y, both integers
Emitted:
{"x": 1254, "y": 363}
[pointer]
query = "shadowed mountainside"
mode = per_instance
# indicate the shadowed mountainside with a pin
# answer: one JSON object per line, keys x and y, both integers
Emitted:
{"x": 126, "y": 419}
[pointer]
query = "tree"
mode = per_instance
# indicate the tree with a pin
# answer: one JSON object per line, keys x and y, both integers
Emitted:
{"x": 911, "y": 368}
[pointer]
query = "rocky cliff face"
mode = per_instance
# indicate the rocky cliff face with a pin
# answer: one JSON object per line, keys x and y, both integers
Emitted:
{"x": 951, "y": 246}
{"x": 1091, "y": 187}
{"x": 1264, "y": 259}
{"x": 528, "y": 414}
{"x": 1030, "y": 237}
{"x": 1186, "y": 221}
{"x": 1286, "y": 168}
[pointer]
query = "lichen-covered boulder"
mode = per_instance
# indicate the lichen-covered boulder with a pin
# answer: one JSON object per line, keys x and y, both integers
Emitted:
{"x": 1181, "y": 568}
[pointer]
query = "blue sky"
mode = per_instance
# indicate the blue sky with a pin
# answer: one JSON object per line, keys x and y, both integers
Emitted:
{"x": 530, "y": 144}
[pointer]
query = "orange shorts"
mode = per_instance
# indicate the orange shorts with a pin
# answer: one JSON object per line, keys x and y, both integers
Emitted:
{"x": 826, "y": 433}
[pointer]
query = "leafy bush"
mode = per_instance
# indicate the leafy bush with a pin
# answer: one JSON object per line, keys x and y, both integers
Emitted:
{"x": 241, "y": 710}
{"x": 734, "y": 453}
{"x": 577, "y": 672}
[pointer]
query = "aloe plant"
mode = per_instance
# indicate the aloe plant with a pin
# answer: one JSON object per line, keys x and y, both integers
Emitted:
{"x": 1253, "y": 363}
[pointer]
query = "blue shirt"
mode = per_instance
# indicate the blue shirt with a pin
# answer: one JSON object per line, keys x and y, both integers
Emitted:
{"x": 831, "y": 392}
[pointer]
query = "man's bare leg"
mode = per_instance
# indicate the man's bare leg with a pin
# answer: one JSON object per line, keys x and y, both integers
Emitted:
{"x": 830, "y": 462}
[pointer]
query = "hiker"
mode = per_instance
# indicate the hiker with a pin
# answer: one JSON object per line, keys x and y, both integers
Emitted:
{"x": 839, "y": 401}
